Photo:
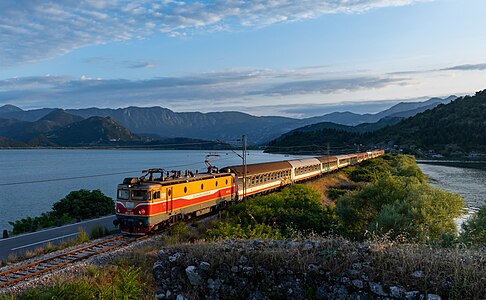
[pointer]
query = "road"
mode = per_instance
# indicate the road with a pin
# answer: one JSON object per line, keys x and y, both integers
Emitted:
{"x": 18, "y": 245}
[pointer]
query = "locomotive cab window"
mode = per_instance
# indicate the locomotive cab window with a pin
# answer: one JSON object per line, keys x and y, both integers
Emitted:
{"x": 156, "y": 195}
{"x": 140, "y": 195}
{"x": 124, "y": 194}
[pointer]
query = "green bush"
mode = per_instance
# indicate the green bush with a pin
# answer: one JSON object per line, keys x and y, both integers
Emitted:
{"x": 84, "y": 204}
{"x": 474, "y": 229}
{"x": 396, "y": 165}
{"x": 399, "y": 206}
{"x": 76, "y": 206}
{"x": 278, "y": 215}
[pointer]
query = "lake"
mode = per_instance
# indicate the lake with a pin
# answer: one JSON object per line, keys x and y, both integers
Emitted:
{"x": 32, "y": 180}
{"x": 468, "y": 179}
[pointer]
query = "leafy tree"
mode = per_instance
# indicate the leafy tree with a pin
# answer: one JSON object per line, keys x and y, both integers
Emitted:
{"x": 84, "y": 204}
{"x": 77, "y": 205}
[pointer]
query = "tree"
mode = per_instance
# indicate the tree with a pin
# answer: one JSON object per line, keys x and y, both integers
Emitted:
{"x": 84, "y": 204}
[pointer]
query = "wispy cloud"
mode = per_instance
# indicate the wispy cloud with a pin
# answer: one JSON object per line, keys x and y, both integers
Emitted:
{"x": 139, "y": 64}
{"x": 198, "y": 91}
{"x": 467, "y": 67}
{"x": 35, "y": 30}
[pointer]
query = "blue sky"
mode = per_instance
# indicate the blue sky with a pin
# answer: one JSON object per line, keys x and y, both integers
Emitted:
{"x": 275, "y": 57}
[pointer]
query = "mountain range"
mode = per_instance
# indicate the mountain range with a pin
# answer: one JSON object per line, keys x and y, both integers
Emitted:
{"x": 455, "y": 129}
{"x": 18, "y": 124}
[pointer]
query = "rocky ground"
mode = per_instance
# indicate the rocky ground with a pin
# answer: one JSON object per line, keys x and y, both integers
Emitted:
{"x": 312, "y": 269}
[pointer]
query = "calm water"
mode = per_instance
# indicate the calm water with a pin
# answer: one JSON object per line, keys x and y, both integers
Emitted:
{"x": 466, "y": 179}
{"x": 102, "y": 169}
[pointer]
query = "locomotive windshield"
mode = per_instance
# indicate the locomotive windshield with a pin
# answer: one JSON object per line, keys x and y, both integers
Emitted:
{"x": 140, "y": 195}
{"x": 123, "y": 194}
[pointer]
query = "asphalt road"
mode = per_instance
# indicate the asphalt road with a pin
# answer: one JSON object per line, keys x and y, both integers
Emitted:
{"x": 19, "y": 244}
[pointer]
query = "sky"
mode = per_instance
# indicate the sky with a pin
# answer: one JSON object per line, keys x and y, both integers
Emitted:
{"x": 296, "y": 58}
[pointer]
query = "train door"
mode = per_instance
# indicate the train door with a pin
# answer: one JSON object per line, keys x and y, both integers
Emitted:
{"x": 169, "y": 196}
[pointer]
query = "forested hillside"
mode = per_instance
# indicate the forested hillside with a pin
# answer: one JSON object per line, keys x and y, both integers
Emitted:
{"x": 455, "y": 129}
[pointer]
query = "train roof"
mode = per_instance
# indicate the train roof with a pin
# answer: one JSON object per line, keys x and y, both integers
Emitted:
{"x": 254, "y": 169}
{"x": 297, "y": 163}
{"x": 346, "y": 156}
{"x": 325, "y": 159}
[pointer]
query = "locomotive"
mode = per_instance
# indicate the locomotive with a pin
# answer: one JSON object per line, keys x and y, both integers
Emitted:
{"x": 159, "y": 198}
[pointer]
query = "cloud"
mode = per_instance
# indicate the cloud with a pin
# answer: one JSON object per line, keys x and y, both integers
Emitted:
{"x": 231, "y": 88}
{"x": 36, "y": 30}
{"x": 467, "y": 67}
{"x": 326, "y": 86}
{"x": 139, "y": 64}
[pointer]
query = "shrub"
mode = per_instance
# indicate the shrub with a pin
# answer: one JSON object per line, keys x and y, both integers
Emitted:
{"x": 278, "y": 215}
{"x": 399, "y": 206}
{"x": 77, "y": 205}
{"x": 98, "y": 232}
{"x": 474, "y": 229}
{"x": 84, "y": 204}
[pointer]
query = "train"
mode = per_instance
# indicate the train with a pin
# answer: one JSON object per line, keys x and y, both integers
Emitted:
{"x": 159, "y": 198}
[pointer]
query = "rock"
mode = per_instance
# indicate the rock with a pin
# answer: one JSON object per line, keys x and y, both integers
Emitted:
{"x": 234, "y": 269}
{"x": 364, "y": 248}
{"x": 174, "y": 257}
{"x": 412, "y": 295}
{"x": 313, "y": 268}
{"x": 193, "y": 276}
{"x": 308, "y": 246}
{"x": 377, "y": 289}
{"x": 257, "y": 295}
{"x": 159, "y": 295}
{"x": 248, "y": 271}
{"x": 205, "y": 266}
{"x": 397, "y": 291}
{"x": 433, "y": 297}
{"x": 357, "y": 283}
{"x": 339, "y": 292}
{"x": 181, "y": 297}
{"x": 214, "y": 284}
{"x": 243, "y": 260}
{"x": 418, "y": 274}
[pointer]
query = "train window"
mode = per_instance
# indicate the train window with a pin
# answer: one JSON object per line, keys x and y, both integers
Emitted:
{"x": 156, "y": 195}
{"x": 185, "y": 189}
{"x": 140, "y": 195}
{"x": 169, "y": 192}
{"x": 226, "y": 181}
{"x": 216, "y": 183}
{"x": 202, "y": 186}
{"x": 123, "y": 194}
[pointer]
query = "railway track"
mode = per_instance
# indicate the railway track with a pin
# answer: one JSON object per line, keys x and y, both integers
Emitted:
{"x": 25, "y": 272}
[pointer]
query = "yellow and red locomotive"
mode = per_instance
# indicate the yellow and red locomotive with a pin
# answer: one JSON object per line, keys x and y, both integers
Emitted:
{"x": 159, "y": 198}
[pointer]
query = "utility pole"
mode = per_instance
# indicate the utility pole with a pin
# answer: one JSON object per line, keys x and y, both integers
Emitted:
{"x": 243, "y": 139}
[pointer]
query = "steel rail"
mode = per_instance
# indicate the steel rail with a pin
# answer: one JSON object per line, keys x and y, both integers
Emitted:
{"x": 36, "y": 268}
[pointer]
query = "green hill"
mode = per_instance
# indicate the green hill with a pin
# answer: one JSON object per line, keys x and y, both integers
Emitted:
{"x": 453, "y": 130}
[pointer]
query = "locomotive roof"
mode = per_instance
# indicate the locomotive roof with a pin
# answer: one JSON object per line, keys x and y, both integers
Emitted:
{"x": 254, "y": 169}
{"x": 171, "y": 181}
